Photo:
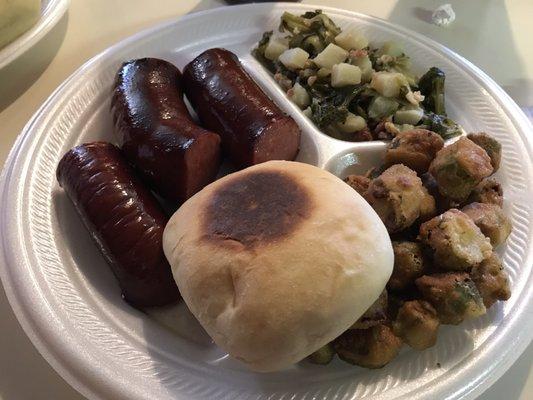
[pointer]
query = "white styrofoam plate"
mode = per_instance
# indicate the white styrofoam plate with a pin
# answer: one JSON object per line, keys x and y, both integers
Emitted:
{"x": 51, "y": 13}
{"x": 69, "y": 303}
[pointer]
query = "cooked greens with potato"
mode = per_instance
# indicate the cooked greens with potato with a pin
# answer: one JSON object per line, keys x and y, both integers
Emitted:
{"x": 350, "y": 89}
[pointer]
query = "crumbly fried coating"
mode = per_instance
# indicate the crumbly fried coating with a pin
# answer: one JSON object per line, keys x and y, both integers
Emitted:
{"x": 375, "y": 315}
{"x": 490, "y": 145}
{"x": 415, "y": 148}
{"x": 417, "y": 324}
{"x": 359, "y": 183}
{"x": 487, "y": 191}
{"x": 457, "y": 243}
{"x": 398, "y": 197}
{"x": 491, "y": 220}
{"x": 491, "y": 280}
{"x": 454, "y": 295}
{"x": 409, "y": 264}
{"x": 459, "y": 167}
{"x": 442, "y": 203}
{"x": 369, "y": 348}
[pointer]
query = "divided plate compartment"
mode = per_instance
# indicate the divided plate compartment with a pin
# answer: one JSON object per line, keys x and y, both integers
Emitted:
{"x": 69, "y": 303}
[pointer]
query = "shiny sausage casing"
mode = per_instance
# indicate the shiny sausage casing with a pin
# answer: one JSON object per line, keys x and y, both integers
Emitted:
{"x": 230, "y": 103}
{"x": 123, "y": 218}
{"x": 173, "y": 155}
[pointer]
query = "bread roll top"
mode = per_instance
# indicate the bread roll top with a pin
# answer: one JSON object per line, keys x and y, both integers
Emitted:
{"x": 256, "y": 209}
{"x": 277, "y": 260}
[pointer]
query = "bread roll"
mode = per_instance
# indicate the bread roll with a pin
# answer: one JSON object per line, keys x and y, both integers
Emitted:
{"x": 16, "y": 17}
{"x": 277, "y": 260}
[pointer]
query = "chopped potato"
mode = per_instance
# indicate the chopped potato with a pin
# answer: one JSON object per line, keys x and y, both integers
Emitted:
{"x": 353, "y": 123}
{"x": 351, "y": 39}
{"x": 375, "y": 315}
{"x": 370, "y": 348}
{"x": 409, "y": 264}
{"x": 409, "y": 115}
{"x": 491, "y": 280}
{"x": 491, "y": 220}
{"x": 388, "y": 84}
{"x": 398, "y": 197}
{"x": 414, "y": 148}
{"x": 488, "y": 191}
{"x": 459, "y": 167}
{"x": 417, "y": 324}
{"x": 294, "y": 58}
{"x": 344, "y": 74}
{"x": 299, "y": 96}
{"x": 456, "y": 242}
{"x": 359, "y": 183}
{"x": 330, "y": 56}
{"x": 365, "y": 65}
{"x": 490, "y": 145}
{"x": 275, "y": 47}
{"x": 454, "y": 296}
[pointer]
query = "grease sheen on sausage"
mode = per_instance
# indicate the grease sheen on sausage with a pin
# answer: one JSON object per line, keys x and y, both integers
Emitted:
{"x": 174, "y": 156}
{"x": 229, "y": 102}
{"x": 123, "y": 218}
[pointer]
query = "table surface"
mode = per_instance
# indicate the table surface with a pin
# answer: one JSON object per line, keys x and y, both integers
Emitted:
{"x": 499, "y": 41}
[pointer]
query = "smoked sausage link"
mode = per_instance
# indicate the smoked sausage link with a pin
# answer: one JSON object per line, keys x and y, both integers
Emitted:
{"x": 124, "y": 219}
{"x": 173, "y": 155}
{"x": 230, "y": 103}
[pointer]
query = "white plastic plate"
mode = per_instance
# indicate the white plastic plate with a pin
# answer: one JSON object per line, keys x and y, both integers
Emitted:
{"x": 51, "y": 13}
{"x": 69, "y": 303}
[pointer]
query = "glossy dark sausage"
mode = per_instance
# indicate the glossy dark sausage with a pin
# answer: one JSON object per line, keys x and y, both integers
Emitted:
{"x": 123, "y": 218}
{"x": 173, "y": 155}
{"x": 230, "y": 103}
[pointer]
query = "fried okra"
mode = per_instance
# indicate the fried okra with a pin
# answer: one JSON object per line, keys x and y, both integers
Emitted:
{"x": 359, "y": 183}
{"x": 488, "y": 191}
{"x": 369, "y": 348}
{"x": 375, "y": 315}
{"x": 417, "y": 324}
{"x": 415, "y": 148}
{"x": 491, "y": 220}
{"x": 456, "y": 242}
{"x": 323, "y": 356}
{"x": 428, "y": 206}
{"x": 454, "y": 295}
{"x": 491, "y": 280}
{"x": 459, "y": 167}
{"x": 399, "y": 198}
{"x": 490, "y": 145}
{"x": 395, "y": 302}
{"x": 409, "y": 264}
{"x": 442, "y": 203}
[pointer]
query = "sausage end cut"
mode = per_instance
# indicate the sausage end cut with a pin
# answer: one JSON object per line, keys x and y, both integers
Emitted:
{"x": 123, "y": 218}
